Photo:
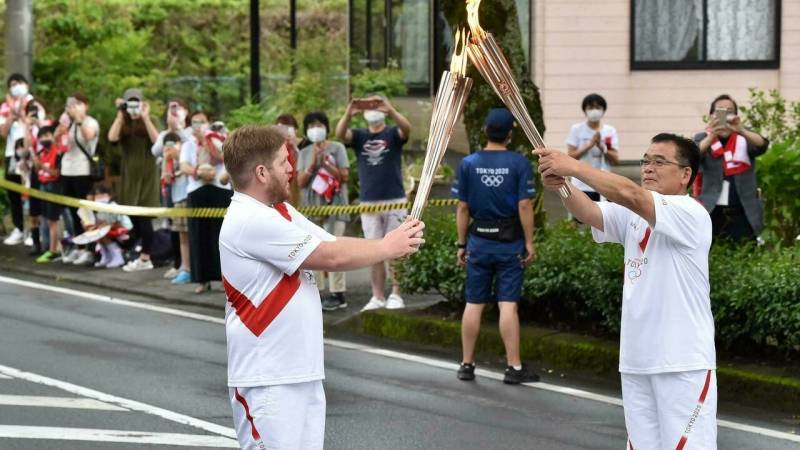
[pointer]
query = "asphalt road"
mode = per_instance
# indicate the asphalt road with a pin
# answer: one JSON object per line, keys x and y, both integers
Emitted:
{"x": 74, "y": 369}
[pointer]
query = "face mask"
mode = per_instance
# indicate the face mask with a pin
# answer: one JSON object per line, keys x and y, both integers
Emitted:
{"x": 102, "y": 198}
{"x": 19, "y": 90}
{"x": 134, "y": 109}
{"x": 46, "y": 144}
{"x": 594, "y": 115}
{"x": 199, "y": 126}
{"x": 317, "y": 134}
{"x": 374, "y": 117}
{"x": 291, "y": 132}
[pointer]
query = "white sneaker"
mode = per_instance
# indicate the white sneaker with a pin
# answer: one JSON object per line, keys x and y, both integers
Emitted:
{"x": 15, "y": 238}
{"x": 171, "y": 273}
{"x": 71, "y": 256}
{"x": 28, "y": 240}
{"x": 137, "y": 265}
{"x": 374, "y": 303}
{"x": 395, "y": 302}
{"x": 85, "y": 258}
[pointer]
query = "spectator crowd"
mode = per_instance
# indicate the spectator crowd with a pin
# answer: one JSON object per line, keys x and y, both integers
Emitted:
{"x": 176, "y": 160}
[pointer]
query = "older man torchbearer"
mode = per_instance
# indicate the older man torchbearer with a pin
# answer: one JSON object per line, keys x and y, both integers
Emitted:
{"x": 667, "y": 357}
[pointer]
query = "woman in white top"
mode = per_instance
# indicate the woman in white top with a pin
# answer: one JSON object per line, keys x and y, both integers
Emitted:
{"x": 592, "y": 141}
{"x": 79, "y": 132}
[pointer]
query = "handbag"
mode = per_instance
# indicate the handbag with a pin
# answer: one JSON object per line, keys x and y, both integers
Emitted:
{"x": 97, "y": 167}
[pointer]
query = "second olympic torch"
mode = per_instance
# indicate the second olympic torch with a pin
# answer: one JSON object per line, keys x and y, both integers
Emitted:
{"x": 447, "y": 106}
{"x": 488, "y": 58}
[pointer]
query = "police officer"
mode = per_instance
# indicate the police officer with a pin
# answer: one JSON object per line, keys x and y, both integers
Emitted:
{"x": 495, "y": 240}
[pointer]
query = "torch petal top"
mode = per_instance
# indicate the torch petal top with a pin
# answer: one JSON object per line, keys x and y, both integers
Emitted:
{"x": 458, "y": 64}
{"x": 474, "y": 22}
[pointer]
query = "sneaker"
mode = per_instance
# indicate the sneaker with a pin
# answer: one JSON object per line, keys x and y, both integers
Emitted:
{"x": 85, "y": 258}
{"x": 334, "y": 302}
{"x": 395, "y": 302}
{"x": 15, "y": 238}
{"x": 46, "y": 258}
{"x": 138, "y": 265}
{"x": 514, "y": 376}
{"x": 70, "y": 256}
{"x": 466, "y": 372}
{"x": 374, "y": 303}
{"x": 171, "y": 273}
{"x": 28, "y": 240}
{"x": 183, "y": 277}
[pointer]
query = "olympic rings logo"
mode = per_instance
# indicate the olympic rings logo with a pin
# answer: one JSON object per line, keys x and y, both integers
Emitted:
{"x": 492, "y": 180}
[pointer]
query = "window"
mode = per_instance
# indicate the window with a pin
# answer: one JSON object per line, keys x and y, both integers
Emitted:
{"x": 705, "y": 34}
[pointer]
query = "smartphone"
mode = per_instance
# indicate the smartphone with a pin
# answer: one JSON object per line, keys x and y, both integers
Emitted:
{"x": 722, "y": 116}
{"x": 366, "y": 104}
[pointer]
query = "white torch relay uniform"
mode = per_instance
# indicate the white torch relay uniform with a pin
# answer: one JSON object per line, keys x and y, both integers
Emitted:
{"x": 273, "y": 324}
{"x": 667, "y": 357}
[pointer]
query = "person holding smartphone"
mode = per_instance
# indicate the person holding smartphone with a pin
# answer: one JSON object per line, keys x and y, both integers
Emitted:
{"x": 727, "y": 185}
{"x": 12, "y": 114}
{"x": 379, "y": 151}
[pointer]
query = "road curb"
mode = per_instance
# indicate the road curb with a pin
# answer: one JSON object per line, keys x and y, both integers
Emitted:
{"x": 573, "y": 351}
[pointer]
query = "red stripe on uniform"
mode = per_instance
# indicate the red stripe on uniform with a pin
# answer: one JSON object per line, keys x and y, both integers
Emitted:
{"x": 283, "y": 210}
{"x": 700, "y": 401}
{"x": 645, "y": 239}
{"x": 241, "y": 400}
{"x": 257, "y": 319}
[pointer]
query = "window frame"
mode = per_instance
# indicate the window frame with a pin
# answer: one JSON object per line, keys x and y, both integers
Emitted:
{"x": 706, "y": 65}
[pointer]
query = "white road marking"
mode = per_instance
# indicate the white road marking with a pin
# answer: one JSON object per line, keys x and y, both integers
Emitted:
{"x": 113, "y": 300}
{"x": 56, "y": 402}
{"x": 133, "y": 437}
{"x": 119, "y": 401}
{"x": 386, "y": 353}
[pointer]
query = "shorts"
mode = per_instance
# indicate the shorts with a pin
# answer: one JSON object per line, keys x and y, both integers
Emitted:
{"x": 180, "y": 224}
{"x": 280, "y": 417}
{"x": 662, "y": 410}
{"x": 504, "y": 271}
{"x": 376, "y": 225}
{"x": 52, "y": 211}
{"x": 34, "y": 204}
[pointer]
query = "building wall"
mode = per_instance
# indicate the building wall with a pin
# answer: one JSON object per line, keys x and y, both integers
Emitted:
{"x": 583, "y": 46}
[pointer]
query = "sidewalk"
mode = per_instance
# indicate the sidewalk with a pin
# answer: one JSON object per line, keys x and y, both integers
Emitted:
{"x": 152, "y": 284}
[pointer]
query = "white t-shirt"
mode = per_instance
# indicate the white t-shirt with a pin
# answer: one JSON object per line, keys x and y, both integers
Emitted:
{"x": 189, "y": 156}
{"x": 273, "y": 319}
{"x": 74, "y": 162}
{"x": 579, "y": 135}
{"x": 16, "y": 131}
{"x": 667, "y": 324}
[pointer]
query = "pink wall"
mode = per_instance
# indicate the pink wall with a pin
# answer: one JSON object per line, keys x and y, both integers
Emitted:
{"x": 582, "y": 46}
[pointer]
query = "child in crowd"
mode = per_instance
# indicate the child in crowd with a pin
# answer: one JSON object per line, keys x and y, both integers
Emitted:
{"x": 47, "y": 162}
{"x": 106, "y": 228}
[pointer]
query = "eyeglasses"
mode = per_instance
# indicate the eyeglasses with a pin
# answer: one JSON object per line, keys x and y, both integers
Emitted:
{"x": 659, "y": 163}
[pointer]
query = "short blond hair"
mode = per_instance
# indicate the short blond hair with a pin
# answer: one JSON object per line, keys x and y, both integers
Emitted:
{"x": 248, "y": 147}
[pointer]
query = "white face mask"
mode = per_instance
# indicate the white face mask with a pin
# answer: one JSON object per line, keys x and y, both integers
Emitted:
{"x": 317, "y": 134}
{"x": 594, "y": 115}
{"x": 19, "y": 90}
{"x": 102, "y": 198}
{"x": 374, "y": 117}
{"x": 134, "y": 109}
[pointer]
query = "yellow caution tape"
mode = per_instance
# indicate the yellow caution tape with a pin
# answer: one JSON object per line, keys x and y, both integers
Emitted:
{"x": 207, "y": 213}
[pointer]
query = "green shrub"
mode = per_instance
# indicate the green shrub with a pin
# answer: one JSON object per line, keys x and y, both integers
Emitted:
{"x": 577, "y": 284}
{"x": 388, "y": 81}
{"x": 779, "y": 169}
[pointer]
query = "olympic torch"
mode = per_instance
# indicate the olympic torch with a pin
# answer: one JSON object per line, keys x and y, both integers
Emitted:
{"x": 488, "y": 58}
{"x": 447, "y": 107}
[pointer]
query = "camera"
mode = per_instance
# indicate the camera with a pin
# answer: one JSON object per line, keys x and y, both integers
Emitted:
{"x": 123, "y": 106}
{"x": 33, "y": 110}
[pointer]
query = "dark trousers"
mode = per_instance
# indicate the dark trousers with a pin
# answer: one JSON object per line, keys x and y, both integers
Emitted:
{"x": 731, "y": 223}
{"x": 77, "y": 187}
{"x": 143, "y": 227}
{"x": 14, "y": 198}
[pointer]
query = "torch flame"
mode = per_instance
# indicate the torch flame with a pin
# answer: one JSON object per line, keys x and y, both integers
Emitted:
{"x": 458, "y": 64}
{"x": 474, "y": 22}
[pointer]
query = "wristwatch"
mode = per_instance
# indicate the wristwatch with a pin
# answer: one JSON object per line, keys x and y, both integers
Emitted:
{"x": 460, "y": 245}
